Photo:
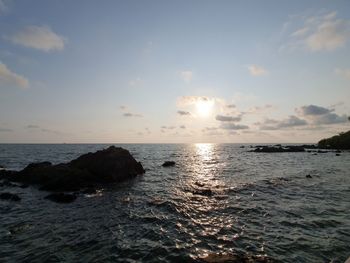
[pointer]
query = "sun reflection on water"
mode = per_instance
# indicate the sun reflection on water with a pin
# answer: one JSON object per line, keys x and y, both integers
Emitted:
{"x": 204, "y": 151}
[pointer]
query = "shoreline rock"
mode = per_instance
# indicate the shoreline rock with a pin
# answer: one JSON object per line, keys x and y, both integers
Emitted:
{"x": 111, "y": 165}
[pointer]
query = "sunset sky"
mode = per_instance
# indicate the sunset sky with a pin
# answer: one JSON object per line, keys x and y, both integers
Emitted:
{"x": 173, "y": 71}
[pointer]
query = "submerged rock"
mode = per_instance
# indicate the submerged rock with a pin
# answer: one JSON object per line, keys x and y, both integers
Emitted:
{"x": 105, "y": 166}
{"x": 308, "y": 176}
{"x": 61, "y": 197}
{"x": 10, "y": 197}
{"x": 168, "y": 164}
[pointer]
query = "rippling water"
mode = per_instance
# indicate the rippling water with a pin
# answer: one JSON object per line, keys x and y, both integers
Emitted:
{"x": 262, "y": 204}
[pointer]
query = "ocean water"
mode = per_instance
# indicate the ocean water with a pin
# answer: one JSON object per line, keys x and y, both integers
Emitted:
{"x": 262, "y": 204}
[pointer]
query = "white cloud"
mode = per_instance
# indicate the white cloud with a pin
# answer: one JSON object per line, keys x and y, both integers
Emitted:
{"x": 186, "y": 76}
{"x": 7, "y": 77}
{"x": 38, "y": 37}
{"x": 322, "y": 32}
{"x": 343, "y": 72}
{"x": 256, "y": 70}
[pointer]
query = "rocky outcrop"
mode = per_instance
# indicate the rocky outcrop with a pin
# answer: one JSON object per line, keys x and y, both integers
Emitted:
{"x": 339, "y": 142}
{"x": 106, "y": 166}
{"x": 274, "y": 149}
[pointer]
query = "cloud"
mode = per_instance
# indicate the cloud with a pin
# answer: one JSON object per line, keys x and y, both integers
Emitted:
{"x": 186, "y": 76}
{"x": 290, "y": 122}
{"x": 312, "y": 110}
{"x": 32, "y": 126}
{"x": 231, "y": 106}
{"x": 7, "y": 77}
{"x": 5, "y": 130}
{"x": 343, "y": 72}
{"x": 227, "y": 118}
{"x": 183, "y": 113}
{"x": 38, "y": 37}
{"x": 232, "y": 126}
{"x": 192, "y": 100}
{"x": 256, "y": 70}
{"x": 322, "y": 32}
{"x": 319, "y": 115}
{"x": 129, "y": 114}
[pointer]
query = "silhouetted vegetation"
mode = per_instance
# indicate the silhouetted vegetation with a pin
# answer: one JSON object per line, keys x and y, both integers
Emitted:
{"x": 341, "y": 141}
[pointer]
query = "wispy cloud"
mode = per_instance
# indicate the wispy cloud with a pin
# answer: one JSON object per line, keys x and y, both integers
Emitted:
{"x": 129, "y": 114}
{"x": 7, "y": 77}
{"x": 256, "y": 70}
{"x": 343, "y": 72}
{"x": 5, "y": 130}
{"x": 226, "y": 118}
{"x": 233, "y": 126}
{"x": 291, "y": 121}
{"x": 186, "y": 76}
{"x": 323, "y": 32}
{"x": 184, "y": 113}
{"x": 38, "y": 37}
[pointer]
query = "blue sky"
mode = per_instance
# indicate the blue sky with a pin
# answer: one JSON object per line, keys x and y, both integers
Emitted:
{"x": 173, "y": 71}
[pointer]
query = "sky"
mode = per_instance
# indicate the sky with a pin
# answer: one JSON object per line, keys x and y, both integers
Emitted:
{"x": 173, "y": 71}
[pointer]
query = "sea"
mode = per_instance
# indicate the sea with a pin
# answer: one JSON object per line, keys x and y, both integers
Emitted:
{"x": 259, "y": 204}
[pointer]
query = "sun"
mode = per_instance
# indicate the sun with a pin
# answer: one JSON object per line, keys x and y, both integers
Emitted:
{"x": 204, "y": 107}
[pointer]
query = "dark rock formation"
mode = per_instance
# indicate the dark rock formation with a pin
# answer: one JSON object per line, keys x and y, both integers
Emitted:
{"x": 10, "y": 197}
{"x": 102, "y": 167}
{"x": 168, "y": 164}
{"x": 204, "y": 192}
{"x": 274, "y": 149}
{"x": 308, "y": 176}
{"x": 61, "y": 198}
{"x": 339, "y": 142}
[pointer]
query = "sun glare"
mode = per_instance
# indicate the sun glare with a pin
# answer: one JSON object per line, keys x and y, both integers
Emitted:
{"x": 204, "y": 107}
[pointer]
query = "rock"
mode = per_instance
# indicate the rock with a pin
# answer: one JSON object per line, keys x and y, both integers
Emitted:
{"x": 102, "y": 167}
{"x": 2, "y": 167}
{"x": 320, "y": 151}
{"x": 61, "y": 198}
{"x": 168, "y": 164}
{"x": 308, "y": 176}
{"x": 273, "y": 149}
{"x": 339, "y": 142}
{"x": 205, "y": 192}
{"x": 242, "y": 146}
{"x": 337, "y": 154}
{"x": 10, "y": 197}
